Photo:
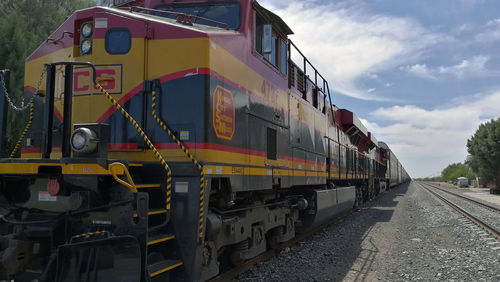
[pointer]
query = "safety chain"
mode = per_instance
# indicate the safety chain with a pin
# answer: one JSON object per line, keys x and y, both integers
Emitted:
{"x": 146, "y": 139}
{"x": 189, "y": 155}
{"x": 25, "y": 131}
{"x": 23, "y": 105}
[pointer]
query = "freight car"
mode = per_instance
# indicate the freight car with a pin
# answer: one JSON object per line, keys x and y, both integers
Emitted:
{"x": 396, "y": 174}
{"x": 168, "y": 140}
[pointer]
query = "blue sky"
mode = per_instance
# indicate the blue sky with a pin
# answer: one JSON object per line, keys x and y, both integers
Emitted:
{"x": 421, "y": 74}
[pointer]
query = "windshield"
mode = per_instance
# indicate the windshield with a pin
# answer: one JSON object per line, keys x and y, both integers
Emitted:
{"x": 226, "y": 12}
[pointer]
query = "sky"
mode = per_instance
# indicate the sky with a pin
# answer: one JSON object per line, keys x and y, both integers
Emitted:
{"x": 421, "y": 74}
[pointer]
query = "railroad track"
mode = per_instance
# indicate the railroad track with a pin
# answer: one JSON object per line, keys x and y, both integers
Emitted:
{"x": 466, "y": 198}
{"x": 462, "y": 211}
{"x": 233, "y": 272}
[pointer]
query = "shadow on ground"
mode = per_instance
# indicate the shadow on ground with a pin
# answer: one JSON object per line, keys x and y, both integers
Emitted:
{"x": 360, "y": 257}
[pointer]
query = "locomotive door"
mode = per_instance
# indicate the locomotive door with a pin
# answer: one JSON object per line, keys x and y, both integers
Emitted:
{"x": 118, "y": 52}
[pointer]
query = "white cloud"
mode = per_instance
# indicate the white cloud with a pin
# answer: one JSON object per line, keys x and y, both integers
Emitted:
{"x": 473, "y": 66}
{"x": 420, "y": 70}
{"x": 428, "y": 140}
{"x": 347, "y": 42}
{"x": 489, "y": 33}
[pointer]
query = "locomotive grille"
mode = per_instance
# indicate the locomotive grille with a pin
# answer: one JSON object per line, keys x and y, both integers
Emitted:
{"x": 300, "y": 81}
{"x": 292, "y": 74}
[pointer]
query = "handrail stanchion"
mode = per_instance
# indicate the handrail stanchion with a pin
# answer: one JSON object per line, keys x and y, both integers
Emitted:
{"x": 48, "y": 113}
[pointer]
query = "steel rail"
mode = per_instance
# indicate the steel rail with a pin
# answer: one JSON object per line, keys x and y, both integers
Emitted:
{"x": 274, "y": 252}
{"x": 469, "y": 216}
{"x": 466, "y": 198}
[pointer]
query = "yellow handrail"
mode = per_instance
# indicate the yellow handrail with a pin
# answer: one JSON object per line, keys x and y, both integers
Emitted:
{"x": 146, "y": 139}
{"x": 117, "y": 168}
{"x": 189, "y": 155}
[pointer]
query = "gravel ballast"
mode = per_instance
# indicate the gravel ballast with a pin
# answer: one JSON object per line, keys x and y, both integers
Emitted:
{"x": 406, "y": 234}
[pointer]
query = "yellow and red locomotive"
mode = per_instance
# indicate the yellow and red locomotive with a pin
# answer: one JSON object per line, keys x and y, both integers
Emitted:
{"x": 170, "y": 139}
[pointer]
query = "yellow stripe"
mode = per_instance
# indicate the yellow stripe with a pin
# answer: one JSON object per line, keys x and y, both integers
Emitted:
{"x": 165, "y": 269}
{"x": 153, "y": 212}
{"x": 147, "y": 186}
{"x": 161, "y": 240}
{"x": 205, "y": 155}
{"x": 156, "y": 212}
{"x": 26, "y": 128}
{"x": 67, "y": 168}
{"x": 87, "y": 169}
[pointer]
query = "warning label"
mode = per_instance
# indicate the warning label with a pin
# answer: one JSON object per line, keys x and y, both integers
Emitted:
{"x": 44, "y": 196}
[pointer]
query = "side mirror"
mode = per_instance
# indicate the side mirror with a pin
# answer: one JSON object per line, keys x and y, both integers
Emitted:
{"x": 267, "y": 45}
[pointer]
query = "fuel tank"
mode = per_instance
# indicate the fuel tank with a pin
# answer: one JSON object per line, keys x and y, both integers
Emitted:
{"x": 325, "y": 204}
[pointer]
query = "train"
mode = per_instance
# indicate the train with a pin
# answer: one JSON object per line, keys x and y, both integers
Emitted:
{"x": 172, "y": 140}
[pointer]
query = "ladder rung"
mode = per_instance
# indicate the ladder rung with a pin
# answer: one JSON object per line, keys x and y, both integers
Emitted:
{"x": 159, "y": 238}
{"x": 154, "y": 212}
{"x": 147, "y": 186}
{"x": 160, "y": 211}
{"x": 163, "y": 266}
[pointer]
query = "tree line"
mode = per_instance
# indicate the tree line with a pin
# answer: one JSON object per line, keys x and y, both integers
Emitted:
{"x": 483, "y": 160}
{"x": 24, "y": 25}
{"x": 454, "y": 171}
{"x": 484, "y": 150}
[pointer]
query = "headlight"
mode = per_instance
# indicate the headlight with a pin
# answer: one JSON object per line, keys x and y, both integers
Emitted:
{"x": 84, "y": 140}
{"x": 85, "y": 47}
{"x": 86, "y": 29}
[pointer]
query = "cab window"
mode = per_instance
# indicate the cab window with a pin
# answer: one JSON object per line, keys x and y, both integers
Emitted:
{"x": 118, "y": 41}
{"x": 284, "y": 57}
{"x": 269, "y": 44}
{"x": 228, "y": 12}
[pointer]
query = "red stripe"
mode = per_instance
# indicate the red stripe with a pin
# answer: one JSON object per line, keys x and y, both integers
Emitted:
{"x": 31, "y": 150}
{"x": 58, "y": 114}
{"x": 232, "y": 149}
{"x": 210, "y": 146}
{"x": 122, "y": 146}
{"x": 39, "y": 150}
{"x": 138, "y": 89}
{"x": 177, "y": 75}
{"x": 218, "y": 147}
{"x": 29, "y": 89}
{"x": 123, "y": 100}
{"x": 197, "y": 71}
